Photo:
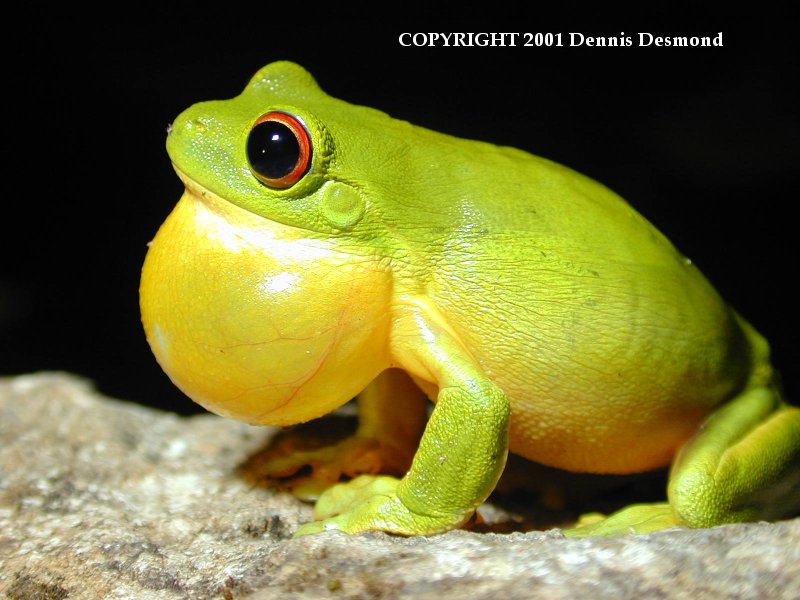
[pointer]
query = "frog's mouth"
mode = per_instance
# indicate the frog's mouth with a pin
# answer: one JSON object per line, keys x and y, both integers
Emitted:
{"x": 255, "y": 321}
{"x": 228, "y": 210}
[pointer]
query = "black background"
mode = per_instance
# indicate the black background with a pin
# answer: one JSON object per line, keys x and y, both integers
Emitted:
{"x": 704, "y": 142}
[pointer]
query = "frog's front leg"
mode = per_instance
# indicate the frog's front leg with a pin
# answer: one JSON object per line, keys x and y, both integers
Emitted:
{"x": 743, "y": 465}
{"x": 391, "y": 417}
{"x": 460, "y": 457}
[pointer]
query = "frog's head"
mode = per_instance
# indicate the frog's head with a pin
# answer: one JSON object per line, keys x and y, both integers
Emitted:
{"x": 262, "y": 295}
{"x": 277, "y": 150}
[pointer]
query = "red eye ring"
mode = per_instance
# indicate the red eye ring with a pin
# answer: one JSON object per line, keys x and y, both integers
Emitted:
{"x": 279, "y": 150}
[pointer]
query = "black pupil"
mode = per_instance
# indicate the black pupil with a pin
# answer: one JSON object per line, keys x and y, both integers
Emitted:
{"x": 272, "y": 149}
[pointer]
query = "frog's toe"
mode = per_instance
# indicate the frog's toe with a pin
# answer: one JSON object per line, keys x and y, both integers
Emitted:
{"x": 312, "y": 528}
{"x": 638, "y": 518}
{"x": 307, "y": 473}
{"x": 342, "y": 497}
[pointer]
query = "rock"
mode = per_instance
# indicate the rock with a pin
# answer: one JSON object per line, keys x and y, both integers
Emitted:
{"x": 104, "y": 499}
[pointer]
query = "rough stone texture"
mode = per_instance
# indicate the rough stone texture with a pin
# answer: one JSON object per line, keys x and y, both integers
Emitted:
{"x": 104, "y": 499}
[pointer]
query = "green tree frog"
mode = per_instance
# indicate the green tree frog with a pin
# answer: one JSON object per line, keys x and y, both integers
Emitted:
{"x": 324, "y": 251}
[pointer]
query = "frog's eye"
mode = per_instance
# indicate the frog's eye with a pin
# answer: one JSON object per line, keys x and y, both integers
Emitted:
{"x": 279, "y": 150}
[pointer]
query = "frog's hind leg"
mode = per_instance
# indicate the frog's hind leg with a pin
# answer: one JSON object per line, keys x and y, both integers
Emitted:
{"x": 742, "y": 465}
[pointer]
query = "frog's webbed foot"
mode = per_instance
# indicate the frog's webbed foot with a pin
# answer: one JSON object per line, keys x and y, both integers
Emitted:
{"x": 637, "y": 518}
{"x": 292, "y": 465}
{"x": 371, "y": 502}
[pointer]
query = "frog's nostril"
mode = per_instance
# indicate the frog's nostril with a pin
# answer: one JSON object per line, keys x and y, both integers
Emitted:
{"x": 197, "y": 125}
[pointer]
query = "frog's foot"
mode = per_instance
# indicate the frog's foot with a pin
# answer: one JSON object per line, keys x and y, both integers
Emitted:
{"x": 307, "y": 472}
{"x": 371, "y": 502}
{"x": 638, "y": 518}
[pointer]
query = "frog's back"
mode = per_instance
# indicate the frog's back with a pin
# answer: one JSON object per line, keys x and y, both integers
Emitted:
{"x": 601, "y": 332}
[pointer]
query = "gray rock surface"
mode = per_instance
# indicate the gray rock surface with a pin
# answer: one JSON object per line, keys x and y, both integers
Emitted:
{"x": 104, "y": 499}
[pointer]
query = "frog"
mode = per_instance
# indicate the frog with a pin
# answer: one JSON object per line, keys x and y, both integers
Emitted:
{"x": 473, "y": 300}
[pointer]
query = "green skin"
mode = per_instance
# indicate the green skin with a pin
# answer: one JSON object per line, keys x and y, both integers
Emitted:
{"x": 535, "y": 307}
